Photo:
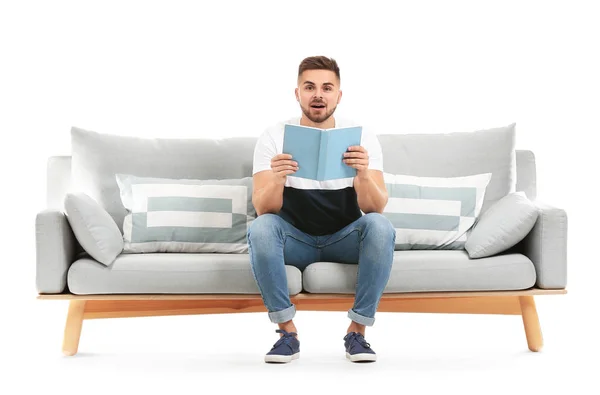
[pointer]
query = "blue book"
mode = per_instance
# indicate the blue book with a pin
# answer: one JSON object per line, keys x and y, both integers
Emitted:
{"x": 320, "y": 152}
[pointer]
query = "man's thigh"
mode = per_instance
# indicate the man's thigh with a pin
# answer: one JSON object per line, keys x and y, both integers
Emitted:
{"x": 298, "y": 253}
{"x": 299, "y": 248}
{"x": 342, "y": 246}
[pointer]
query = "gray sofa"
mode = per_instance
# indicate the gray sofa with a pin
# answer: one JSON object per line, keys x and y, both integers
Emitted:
{"x": 149, "y": 284}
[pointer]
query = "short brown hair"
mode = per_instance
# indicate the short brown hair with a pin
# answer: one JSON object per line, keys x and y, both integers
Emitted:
{"x": 319, "y": 63}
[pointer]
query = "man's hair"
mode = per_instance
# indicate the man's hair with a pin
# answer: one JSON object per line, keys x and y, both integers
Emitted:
{"x": 319, "y": 63}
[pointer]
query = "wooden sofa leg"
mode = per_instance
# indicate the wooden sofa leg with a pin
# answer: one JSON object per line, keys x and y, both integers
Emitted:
{"x": 73, "y": 327}
{"x": 531, "y": 323}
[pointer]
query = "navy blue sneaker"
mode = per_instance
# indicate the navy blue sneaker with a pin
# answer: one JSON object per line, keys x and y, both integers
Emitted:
{"x": 285, "y": 350}
{"x": 357, "y": 348}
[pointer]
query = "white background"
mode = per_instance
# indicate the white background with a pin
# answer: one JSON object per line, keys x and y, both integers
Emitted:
{"x": 221, "y": 69}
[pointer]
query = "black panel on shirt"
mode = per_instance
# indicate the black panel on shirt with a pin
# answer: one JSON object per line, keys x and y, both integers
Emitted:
{"x": 319, "y": 212}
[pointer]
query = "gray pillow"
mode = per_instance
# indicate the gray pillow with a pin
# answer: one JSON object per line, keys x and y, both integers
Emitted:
{"x": 506, "y": 223}
{"x": 93, "y": 227}
{"x": 97, "y": 157}
{"x": 456, "y": 154}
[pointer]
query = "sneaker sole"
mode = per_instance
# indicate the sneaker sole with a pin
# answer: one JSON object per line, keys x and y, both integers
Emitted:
{"x": 281, "y": 358}
{"x": 362, "y": 357}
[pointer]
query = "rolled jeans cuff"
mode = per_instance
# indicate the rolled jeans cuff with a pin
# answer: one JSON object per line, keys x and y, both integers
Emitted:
{"x": 284, "y": 315}
{"x": 360, "y": 319}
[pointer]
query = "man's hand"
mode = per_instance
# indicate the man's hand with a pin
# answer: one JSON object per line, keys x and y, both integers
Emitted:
{"x": 282, "y": 165}
{"x": 358, "y": 158}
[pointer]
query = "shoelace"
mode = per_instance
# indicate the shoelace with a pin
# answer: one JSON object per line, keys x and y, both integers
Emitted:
{"x": 360, "y": 339}
{"x": 285, "y": 339}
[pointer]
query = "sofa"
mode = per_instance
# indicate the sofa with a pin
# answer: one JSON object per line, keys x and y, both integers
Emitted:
{"x": 449, "y": 278}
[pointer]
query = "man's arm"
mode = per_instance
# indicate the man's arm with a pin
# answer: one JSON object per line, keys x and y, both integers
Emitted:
{"x": 368, "y": 183}
{"x": 268, "y": 185}
{"x": 267, "y": 192}
{"x": 270, "y": 172}
{"x": 371, "y": 191}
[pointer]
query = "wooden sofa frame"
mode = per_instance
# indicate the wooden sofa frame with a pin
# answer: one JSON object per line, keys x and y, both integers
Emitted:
{"x": 84, "y": 307}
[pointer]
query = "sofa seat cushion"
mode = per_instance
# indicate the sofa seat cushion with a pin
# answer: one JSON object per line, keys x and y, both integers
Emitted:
{"x": 170, "y": 273}
{"x": 430, "y": 271}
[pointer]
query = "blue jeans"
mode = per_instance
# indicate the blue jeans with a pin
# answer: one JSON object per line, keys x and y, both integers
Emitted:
{"x": 368, "y": 242}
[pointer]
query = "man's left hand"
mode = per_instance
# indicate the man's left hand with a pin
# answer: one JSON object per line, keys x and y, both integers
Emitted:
{"x": 358, "y": 158}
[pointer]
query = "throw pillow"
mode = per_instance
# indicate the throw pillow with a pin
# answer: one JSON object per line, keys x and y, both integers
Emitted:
{"x": 94, "y": 228}
{"x": 506, "y": 223}
{"x": 186, "y": 215}
{"x": 433, "y": 212}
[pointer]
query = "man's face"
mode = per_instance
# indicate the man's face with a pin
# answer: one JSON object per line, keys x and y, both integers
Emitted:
{"x": 318, "y": 93}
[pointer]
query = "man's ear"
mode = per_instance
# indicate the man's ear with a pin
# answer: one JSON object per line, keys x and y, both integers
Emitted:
{"x": 339, "y": 97}
{"x": 296, "y": 93}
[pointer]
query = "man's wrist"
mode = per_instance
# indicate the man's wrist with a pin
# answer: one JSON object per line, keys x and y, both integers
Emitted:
{"x": 363, "y": 176}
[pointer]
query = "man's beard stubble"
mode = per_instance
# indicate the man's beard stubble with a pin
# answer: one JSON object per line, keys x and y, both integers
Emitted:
{"x": 320, "y": 119}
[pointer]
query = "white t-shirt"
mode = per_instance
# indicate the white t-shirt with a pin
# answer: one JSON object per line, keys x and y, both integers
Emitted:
{"x": 316, "y": 207}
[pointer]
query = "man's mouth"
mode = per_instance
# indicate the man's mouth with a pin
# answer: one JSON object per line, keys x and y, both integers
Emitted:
{"x": 318, "y": 106}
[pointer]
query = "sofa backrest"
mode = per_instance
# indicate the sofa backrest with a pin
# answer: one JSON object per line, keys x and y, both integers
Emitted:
{"x": 59, "y": 173}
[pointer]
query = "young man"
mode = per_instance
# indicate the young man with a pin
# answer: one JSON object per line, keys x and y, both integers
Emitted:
{"x": 301, "y": 221}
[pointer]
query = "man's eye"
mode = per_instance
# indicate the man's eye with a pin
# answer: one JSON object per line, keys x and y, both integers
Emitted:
{"x": 327, "y": 88}
{"x": 308, "y": 87}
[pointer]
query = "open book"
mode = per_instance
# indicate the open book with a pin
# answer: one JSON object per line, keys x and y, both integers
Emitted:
{"x": 320, "y": 152}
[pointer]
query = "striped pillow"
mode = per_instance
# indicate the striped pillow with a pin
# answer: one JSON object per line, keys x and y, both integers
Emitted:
{"x": 434, "y": 212}
{"x": 184, "y": 215}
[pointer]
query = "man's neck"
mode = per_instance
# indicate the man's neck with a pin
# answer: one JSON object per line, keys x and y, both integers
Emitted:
{"x": 327, "y": 124}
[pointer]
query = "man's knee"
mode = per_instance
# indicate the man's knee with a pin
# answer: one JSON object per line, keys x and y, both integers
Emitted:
{"x": 378, "y": 226}
{"x": 264, "y": 225}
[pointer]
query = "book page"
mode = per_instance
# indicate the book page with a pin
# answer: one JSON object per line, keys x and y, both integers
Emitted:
{"x": 303, "y": 143}
{"x": 338, "y": 142}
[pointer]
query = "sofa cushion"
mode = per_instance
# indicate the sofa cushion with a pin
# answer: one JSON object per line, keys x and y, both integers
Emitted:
{"x": 171, "y": 273}
{"x": 94, "y": 229}
{"x": 96, "y": 158}
{"x": 454, "y": 155}
{"x": 505, "y": 224}
{"x": 433, "y": 212}
{"x": 182, "y": 215}
{"x": 430, "y": 271}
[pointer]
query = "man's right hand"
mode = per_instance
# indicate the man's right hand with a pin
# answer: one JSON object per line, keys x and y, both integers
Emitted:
{"x": 282, "y": 165}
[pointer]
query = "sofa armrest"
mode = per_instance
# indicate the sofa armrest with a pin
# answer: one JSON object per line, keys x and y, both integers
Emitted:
{"x": 56, "y": 247}
{"x": 546, "y": 247}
